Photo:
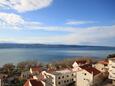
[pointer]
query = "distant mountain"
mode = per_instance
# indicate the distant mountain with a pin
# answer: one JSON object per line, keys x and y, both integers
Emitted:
{"x": 79, "y": 47}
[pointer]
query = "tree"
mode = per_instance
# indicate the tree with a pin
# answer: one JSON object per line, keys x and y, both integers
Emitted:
{"x": 25, "y": 65}
{"x": 111, "y": 56}
{"x": 8, "y": 68}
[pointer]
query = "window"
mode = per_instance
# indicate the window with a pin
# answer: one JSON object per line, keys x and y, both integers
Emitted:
{"x": 72, "y": 79}
{"x": 59, "y": 82}
{"x": 85, "y": 74}
{"x": 64, "y": 81}
{"x": 72, "y": 74}
{"x": 67, "y": 80}
{"x": 62, "y": 76}
{"x": 105, "y": 64}
{"x": 67, "y": 75}
{"x": 58, "y": 77}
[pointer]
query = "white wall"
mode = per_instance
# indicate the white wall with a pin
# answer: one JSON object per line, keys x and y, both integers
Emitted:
{"x": 50, "y": 79}
{"x": 111, "y": 70}
{"x": 62, "y": 79}
{"x": 65, "y": 79}
{"x": 100, "y": 67}
{"x": 76, "y": 67}
{"x": 0, "y": 82}
{"x": 84, "y": 78}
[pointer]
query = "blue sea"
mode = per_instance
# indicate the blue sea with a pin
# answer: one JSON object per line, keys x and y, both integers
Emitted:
{"x": 15, "y": 55}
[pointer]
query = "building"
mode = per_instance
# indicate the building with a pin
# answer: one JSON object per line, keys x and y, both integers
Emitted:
{"x": 111, "y": 70}
{"x": 33, "y": 82}
{"x": 60, "y": 78}
{"x": 35, "y": 72}
{"x": 102, "y": 66}
{"x": 76, "y": 65}
{"x": 88, "y": 76}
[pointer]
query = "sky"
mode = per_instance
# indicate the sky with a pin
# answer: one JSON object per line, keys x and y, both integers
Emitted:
{"x": 78, "y": 22}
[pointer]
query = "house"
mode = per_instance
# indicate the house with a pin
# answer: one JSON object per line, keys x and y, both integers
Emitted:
{"x": 35, "y": 71}
{"x": 76, "y": 65}
{"x": 79, "y": 63}
{"x": 102, "y": 66}
{"x": 60, "y": 77}
{"x": 34, "y": 82}
{"x": 88, "y": 76}
{"x": 111, "y": 70}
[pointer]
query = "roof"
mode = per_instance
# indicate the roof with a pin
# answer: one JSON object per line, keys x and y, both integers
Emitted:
{"x": 61, "y": 71}
{"x": 36, "y": 69}
{"x": 112, "y": 59}
{"x": 90, "y": 69}
{"x": 33, "y": 83}
{"x": 27, "y": 83}
{"x": 81, "y": 62}
{"x": 36, "y": 83}
{"x": 104, "y": 62}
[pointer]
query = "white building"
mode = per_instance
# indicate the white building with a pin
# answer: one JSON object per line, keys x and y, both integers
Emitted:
{"x": 102, "y": 66}
{"x": 111, "y": 70}
{"x": 35, "y": 72}
{"x": 88, "y": 76}
{"x": 60, "y": 78}
{"x": 76, "y": 65}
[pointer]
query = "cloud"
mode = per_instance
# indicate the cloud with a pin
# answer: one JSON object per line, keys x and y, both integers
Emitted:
{"x": 98, "y": 35}
{"x": 15, "y": 21}
{"x": 95, "y": 35}
{"x": 92, "y": 35}
{"x": 78, "y": 22}
{"x": 11, "y": 19}
{"x": 24, "y": 5}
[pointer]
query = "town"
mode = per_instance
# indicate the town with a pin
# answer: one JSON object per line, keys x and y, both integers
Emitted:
{"x": 82, "y": 72}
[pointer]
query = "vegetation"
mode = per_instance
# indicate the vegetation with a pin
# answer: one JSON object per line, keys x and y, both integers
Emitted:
{"x": 25, "y": 65}
{"x": 11, "y": 73}
{"x": 111, "y": 56}
{"x": 8, "y": 69}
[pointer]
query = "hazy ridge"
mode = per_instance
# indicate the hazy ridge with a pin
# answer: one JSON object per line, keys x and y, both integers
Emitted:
{"x": 79, "y": 47}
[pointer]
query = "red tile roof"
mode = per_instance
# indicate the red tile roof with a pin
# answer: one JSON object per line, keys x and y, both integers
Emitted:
{"x": 104, "y": 62}
{"x": 36, "y": 69}
{"x": 36, "y": 83}
{"x": 27, "y": 83}
{"x": 33, "y": 83}
{"x": 90, "y": 69}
